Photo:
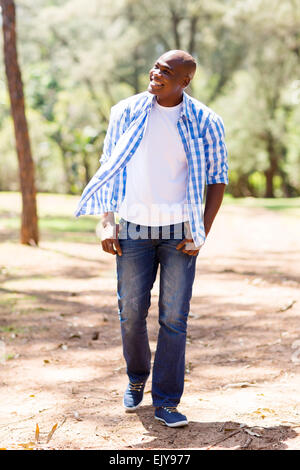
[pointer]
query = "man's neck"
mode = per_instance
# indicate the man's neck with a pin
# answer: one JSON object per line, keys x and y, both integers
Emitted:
{"x": 169, "y": 101}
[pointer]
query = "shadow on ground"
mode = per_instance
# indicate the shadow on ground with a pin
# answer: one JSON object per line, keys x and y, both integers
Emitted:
{"x": 212, "y": 435}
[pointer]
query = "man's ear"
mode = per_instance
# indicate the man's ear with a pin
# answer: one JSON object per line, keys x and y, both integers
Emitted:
{"x": 186, "y": 81}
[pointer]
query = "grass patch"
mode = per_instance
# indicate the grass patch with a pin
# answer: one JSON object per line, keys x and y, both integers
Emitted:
{"x": 9, "y": 357}
{"x": 56, "y": 218}
{"x": 55, "y": 212}
{"x": 10, "y": 302}
{"x": 11, "y": 329}
{"x": 13, "y": 303}
{"x": 55, "y": 224}
{"x": 15, "y": 296}
{"x": 32, "y": 310}
{"x": 278, "y": 204}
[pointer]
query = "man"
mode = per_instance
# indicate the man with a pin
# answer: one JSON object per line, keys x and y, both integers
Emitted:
{"x": 162, "y": 147}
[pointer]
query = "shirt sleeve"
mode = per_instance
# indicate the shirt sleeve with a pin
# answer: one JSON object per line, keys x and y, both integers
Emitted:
{"x": 109, "y": 137}
{"x": 116, "y": 126}
{"x": 216, "y": 155}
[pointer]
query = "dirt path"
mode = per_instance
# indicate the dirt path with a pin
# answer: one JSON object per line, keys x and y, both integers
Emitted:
{"x": 61, "y": 358}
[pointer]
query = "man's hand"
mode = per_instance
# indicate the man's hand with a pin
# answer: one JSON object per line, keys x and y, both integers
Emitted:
{"x": 188, "y": 243}
{"x": 189, "y": 247}
{"x": 109, "y": 235}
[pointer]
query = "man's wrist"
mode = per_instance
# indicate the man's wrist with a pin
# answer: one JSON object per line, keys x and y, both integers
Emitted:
{"x": 109, "y": 228}
{"x": 108, "y": 219}
{"x": 207, "y": 228}
{"x": 187, "y": 230}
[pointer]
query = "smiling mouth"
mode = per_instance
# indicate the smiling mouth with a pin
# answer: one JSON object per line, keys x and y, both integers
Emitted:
{"x": 155, "y": 84}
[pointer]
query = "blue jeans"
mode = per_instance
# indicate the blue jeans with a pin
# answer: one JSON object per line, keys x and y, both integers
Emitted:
{"x": 136, "y": 273}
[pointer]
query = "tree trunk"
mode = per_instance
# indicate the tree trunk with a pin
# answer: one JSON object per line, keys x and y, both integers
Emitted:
{"x": 29, "y": 226}
{"x": 85, "y": 160}
{"x": 193, "y": 31}
{"x": 136, "y": 76}
{"x": 175, "y": 20}
{"x": 269, "y": 175}
{"x": 273, "y": 166}
{"x": 288, "y": 189}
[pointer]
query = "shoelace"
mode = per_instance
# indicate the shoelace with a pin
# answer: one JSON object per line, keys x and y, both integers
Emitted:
{"x": 170, "y": 409}
{"x": 136, "y": 387}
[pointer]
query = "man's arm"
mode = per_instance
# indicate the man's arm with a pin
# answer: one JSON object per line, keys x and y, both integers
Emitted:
{"x": 216, "y": 166}
{"x": 214, "y": 198}
{"x": 110, "y": 230}
{"x": 216, "y": 169}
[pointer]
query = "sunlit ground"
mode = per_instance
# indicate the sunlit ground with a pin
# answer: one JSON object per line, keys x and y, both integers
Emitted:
{"x": 61, "y": 357}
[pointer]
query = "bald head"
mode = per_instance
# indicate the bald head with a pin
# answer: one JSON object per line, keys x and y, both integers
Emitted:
{"x": 188, "y": 62}
{"x": 170, "y": 75}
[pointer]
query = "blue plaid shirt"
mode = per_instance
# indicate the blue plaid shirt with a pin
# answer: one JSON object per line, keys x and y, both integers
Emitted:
{"x": 202, "y": 134}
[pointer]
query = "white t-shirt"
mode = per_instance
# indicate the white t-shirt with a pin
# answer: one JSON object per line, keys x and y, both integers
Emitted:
{"x": 157, "y": 173}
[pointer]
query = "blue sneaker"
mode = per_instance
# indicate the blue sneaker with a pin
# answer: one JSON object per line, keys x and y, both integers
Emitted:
{"x": 170, "y": 416}
{"x": 133, "y": 395}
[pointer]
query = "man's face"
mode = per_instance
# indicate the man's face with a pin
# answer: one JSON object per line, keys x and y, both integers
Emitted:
{"x": 168, "y": 77}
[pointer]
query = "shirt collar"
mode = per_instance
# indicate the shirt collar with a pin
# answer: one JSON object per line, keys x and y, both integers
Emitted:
{"x": 185, "y": 108}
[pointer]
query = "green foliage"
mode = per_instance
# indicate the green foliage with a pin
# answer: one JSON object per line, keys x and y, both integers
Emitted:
{"x": 79, "y": 58}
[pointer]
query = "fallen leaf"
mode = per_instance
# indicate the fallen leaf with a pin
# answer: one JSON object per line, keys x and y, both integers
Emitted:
{"x": 262, "y": 412}
{"x": 51, "y": 432}
{"x": 252, "y": 433}
{"x": 75, "y": 336}
{"x": 28, "y": 445}
{"x": 286, "y": 307}
{"x": 188, "y": 368}
{"x": 76, "y": 416}
{"x": 240, "y": 385}
{"x": 62, "y": 346}
{"x": 193, "y": 315}
{"x": 37, "y": 433}
{"x": 266, "y": 410}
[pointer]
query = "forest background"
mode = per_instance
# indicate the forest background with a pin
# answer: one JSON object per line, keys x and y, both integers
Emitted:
{"x": 61, "y": 360}
{"x": 79, "y": 58}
